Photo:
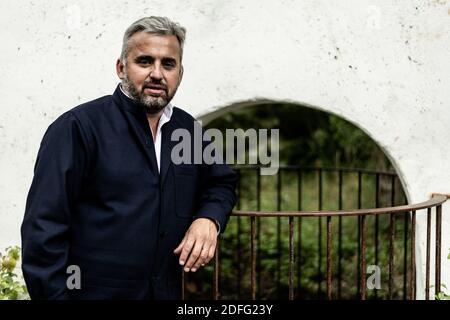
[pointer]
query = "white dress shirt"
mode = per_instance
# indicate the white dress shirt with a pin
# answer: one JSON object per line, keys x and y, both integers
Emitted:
{"x": 165, "y": 117}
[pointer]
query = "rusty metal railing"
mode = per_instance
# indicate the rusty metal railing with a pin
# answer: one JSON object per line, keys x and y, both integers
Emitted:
{"x": 393, "y": 212}
{"x": 435, "y": 202}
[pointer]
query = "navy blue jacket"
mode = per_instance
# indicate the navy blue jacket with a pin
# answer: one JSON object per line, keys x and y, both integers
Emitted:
{"x": 98, "y": 201}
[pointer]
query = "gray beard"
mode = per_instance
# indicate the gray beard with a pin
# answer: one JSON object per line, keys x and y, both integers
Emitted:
{"x": 152, "y": 104}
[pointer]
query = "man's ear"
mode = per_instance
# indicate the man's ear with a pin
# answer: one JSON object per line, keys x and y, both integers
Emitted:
{"x": 120, "y": 69}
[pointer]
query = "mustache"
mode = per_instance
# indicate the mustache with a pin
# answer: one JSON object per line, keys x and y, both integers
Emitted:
{"x": 154, "y": 85}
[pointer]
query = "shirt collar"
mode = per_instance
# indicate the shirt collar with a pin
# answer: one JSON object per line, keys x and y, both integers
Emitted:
{"x": 167, "y": 111}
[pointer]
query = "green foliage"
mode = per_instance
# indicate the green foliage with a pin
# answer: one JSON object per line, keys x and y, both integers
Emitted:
{"x": 309, "y": 137}
{"x": 442, "y": 295}
{"x": 11, "y": 287}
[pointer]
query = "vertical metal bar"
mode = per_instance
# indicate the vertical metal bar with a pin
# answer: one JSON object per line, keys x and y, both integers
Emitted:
{"x": 437, "y": 282}
{"x": 239, "y": 258}
{"x": 391, "y": 255}
{"x": 291, "y": 258}
{"x": 216, "y": 272}
{"x": 362, "y": 289}
{"x": 427, "y": 272}
{"x": 340, "y": 239}
{"x": 279, "y": 235}
{"x": 238, "y": 238}
{"x": 183, "y": 285}
{"x": 377, "y": 223}
{"x": 319, "y": 267}
{"x": 412, "y": 281}
{"x": 405, "y": 255}
{"x": 359, "y": 234}
{"x": 253, "y": 258}
{"x": 299, "y": 241}
{"x": 329, "y": 259}
{"x": 258, "y": 234}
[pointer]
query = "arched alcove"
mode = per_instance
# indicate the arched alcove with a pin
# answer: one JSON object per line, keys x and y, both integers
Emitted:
{"x": 261, "y": 193}
{"x": 210, "y": 114}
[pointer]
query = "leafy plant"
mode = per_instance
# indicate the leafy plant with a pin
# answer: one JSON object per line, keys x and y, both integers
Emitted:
{"x": 442, "y": 295}
{"x": 11, "y": 286}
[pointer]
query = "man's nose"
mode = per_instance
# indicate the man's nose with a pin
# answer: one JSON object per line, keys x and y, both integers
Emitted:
{"x": 156, "y": 72}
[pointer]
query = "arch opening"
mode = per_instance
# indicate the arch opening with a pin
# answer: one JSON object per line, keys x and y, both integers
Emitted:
{"x": 319, "y": 145}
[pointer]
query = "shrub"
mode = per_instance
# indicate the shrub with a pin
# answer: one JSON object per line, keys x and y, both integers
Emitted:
{"x": 12, "y": 286}
{"x": 442, "y": 295}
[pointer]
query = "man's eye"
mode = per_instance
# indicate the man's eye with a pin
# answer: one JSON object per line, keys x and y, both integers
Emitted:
{"x": 169, "y": 65}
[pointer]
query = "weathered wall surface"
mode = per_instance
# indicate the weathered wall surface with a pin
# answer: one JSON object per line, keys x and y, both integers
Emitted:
{"x": 383, "y": 65}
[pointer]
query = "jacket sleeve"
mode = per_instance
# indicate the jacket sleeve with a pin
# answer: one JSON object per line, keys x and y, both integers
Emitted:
{"x": 217, "y": 193}
{"x": 58, "y": 173}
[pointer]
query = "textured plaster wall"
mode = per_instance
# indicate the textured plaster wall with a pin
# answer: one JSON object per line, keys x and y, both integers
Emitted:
{"x": 383, "y": 65}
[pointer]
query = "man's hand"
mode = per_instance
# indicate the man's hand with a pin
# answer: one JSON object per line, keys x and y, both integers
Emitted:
{"x": 198, "y": 245}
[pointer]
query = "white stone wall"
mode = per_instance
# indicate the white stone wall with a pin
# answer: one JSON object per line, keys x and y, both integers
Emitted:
{"x": 383, "y": 65}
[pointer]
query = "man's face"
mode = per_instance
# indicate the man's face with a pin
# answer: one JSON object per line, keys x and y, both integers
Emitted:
{"x": 153, "y": 70}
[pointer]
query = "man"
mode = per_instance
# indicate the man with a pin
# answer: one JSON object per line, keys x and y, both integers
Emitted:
{"x": 106, "y": 196}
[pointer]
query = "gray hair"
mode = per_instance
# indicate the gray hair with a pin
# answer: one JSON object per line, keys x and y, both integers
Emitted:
{"x": 156, "y": 25}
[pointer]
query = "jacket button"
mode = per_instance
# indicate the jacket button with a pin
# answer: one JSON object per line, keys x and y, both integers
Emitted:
{"x": 162, "y": 234}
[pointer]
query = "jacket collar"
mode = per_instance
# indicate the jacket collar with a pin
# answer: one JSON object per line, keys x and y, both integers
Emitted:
{"x": 127, "y": 103}
{"x": 135, "y": 108}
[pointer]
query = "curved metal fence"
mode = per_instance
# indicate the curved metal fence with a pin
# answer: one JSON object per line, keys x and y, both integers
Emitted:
{"x": 352, "y": 189}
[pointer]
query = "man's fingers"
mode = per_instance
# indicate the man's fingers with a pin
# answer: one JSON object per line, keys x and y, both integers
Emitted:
{"x": 193, "y": 256}
{"x": 208, "y": 251}
{"x": 180, "y": 246}
{"x": 198, "y": 245}
{"x": 202, "y": 259}
{"x": 187, "y": 247}
{"x": 186, "y": 250}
